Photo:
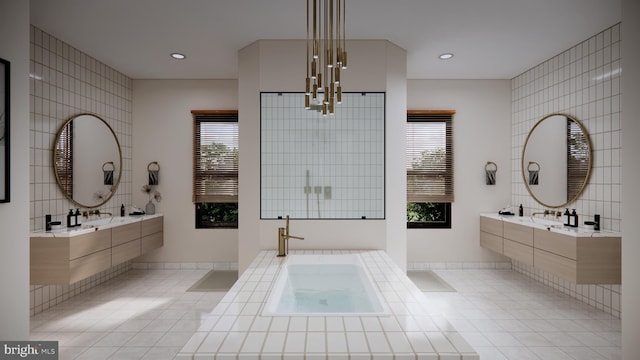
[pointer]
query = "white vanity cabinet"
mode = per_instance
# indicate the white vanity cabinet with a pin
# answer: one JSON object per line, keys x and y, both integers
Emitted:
{"x": 581, "y": 256}
{"x": 66, "y": 257}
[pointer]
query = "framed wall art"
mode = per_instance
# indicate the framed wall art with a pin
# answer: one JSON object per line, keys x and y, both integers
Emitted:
{"x": 4, "y": 131}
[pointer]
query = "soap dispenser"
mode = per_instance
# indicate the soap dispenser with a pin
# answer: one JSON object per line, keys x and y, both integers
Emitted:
{"x": 77, "y": 218}
{"x": 71, "y": 219}
{"x": 574, "y": 218}
{"x": 122, "y": 210}
{"x": 520, "y": 211}
{"x": 567, "y": 217}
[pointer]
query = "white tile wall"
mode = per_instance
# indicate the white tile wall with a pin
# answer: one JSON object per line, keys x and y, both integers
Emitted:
{"x": 602, "y": 297}
{"x": 64, "y": 82}
{"x": 583, "y": 81}
{"x": 343, "y": 154}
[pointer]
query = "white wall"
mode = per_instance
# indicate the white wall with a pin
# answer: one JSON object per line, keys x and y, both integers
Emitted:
{"x": 163, "y": 132}
{"x": 68, "y": 82}
{"x": 14, "y": 216}
{"x": 631, "y": 179}
{"x": 266, "y": 65}
{"x": 481, "y": 133}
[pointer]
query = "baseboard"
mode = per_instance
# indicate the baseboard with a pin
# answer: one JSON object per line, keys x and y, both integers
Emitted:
{"x": 506, "y": 265}
{"x": 186, "y": 265}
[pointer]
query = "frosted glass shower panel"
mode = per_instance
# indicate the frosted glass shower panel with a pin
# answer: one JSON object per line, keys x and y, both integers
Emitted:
{"x": 315, "y": 167}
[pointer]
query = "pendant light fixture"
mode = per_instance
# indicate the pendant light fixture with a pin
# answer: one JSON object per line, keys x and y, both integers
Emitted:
{"x": 326, "y": 54}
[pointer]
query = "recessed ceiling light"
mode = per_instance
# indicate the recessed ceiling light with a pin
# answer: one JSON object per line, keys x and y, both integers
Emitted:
{"x": 445, "y": 56}
{"x": 178, "y": 56}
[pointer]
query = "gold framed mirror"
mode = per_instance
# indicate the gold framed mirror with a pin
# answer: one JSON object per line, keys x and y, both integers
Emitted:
{"x": 556, "y": 160}
{"x": 83, "y": 145}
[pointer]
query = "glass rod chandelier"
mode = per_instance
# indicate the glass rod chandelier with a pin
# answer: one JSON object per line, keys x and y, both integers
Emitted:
{"x": 326, "y": 54}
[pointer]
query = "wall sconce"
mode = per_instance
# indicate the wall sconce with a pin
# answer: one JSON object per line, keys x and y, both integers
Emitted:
{"x": 533, "y": 173}
{"x": 154, "y": 172}
{"x": 107, "y": 170}
{"x": 490, "y": 170}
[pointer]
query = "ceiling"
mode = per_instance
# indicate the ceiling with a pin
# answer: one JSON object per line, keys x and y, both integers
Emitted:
{"x": 491, "y": 39}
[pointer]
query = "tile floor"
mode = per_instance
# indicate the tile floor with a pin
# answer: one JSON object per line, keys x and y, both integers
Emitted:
{"x": 146, "y": 314}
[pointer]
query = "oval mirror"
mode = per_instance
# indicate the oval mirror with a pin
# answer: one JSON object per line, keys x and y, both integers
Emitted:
{"x": 556, "y": 160}
{"x": 87, "y": 160}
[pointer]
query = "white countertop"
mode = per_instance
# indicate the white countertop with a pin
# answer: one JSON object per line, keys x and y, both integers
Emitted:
{"x": 236, "y": 328}
{"x": 554, "y": 226}
{"x": 93, "y": 225}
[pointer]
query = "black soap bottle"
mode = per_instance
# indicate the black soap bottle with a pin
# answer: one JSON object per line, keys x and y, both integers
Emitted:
{"x": 567, "y": 216}
{"x": 122, "y": 210}
{"x": 574, "y": 218}
{"x": 77, "y": 218}
{"x": 520, "y": 211}
{"x": 71, "y": 220}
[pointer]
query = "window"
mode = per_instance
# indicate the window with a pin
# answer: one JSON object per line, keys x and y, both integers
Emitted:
{"x": 215, "y": 168}
{"x": 429, "y": 164}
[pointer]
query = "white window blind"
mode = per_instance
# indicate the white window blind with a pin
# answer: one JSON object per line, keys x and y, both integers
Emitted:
{"x": 215, "y": 156}
{"x": 429, "y": 159}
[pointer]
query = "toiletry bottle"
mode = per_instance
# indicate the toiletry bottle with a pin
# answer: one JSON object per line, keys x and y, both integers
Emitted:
{"x": 596, "y": 220}
{"x": 71, "y": 219}
{"x": 77, "y": 216}
{"x": 574, "y": 218}
{"x": 520, "y": 211}
{"x": 122, "y": 210}
{"x": 567, "y": 217}
{"x": 47, "y": 222}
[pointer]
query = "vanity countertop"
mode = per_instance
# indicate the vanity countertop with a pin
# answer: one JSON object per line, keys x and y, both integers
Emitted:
{"x": 93, "y": 225}
{"x": 554, "y": 226}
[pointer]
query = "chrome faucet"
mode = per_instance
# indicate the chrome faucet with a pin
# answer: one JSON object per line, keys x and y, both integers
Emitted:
{"x": 283, "y": 239}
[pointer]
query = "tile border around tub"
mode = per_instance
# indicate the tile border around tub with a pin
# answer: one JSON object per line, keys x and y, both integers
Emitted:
{"x": 235, "y": 329}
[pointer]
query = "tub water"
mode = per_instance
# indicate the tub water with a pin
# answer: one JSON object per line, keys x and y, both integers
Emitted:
{"x": 336, "y": 285}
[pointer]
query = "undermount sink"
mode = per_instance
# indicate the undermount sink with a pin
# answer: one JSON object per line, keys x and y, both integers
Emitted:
{"x": 104, "y": 221}
{"x": 535, "y": 220}
{"x": 552, "y": 225}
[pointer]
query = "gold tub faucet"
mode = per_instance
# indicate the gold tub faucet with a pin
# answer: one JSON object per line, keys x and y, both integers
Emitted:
{"x": 283, "y": 238}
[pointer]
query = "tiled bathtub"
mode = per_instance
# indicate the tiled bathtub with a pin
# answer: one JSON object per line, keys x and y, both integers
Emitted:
{"x": 236, "y": 328}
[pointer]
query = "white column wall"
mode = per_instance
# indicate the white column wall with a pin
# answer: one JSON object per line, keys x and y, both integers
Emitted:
{"x": 630, "y": 179}
{"x": 14, "y": 216}
{"x": 396, "y": 144}
{"x": 249, "y": 155}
